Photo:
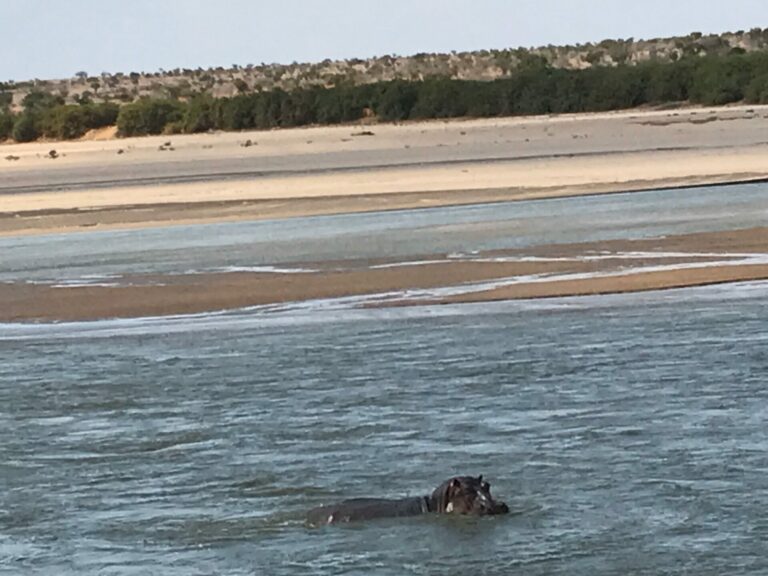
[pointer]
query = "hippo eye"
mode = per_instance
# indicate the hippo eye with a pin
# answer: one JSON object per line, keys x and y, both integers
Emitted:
{"x": 485, "y": 486}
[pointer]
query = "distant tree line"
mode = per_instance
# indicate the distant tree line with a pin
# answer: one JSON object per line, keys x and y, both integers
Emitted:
{"x": 45, "y": 115}
{"x": 535, "y": 88}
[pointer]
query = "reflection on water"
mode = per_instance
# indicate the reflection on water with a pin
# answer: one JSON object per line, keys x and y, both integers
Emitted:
{"x": 627, "y": 434}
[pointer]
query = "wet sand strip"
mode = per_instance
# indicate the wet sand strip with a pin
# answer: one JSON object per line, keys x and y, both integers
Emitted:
{"x": 619, "y": 284}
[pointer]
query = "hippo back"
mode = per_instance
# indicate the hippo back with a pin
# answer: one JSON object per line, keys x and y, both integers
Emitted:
{"x": 366, "y": 509}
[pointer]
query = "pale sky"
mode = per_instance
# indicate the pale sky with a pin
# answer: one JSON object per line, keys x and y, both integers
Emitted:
{"x": 57, "y": 38}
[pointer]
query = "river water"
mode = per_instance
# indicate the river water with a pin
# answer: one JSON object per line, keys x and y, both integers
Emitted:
{"x": 395, "y": 234}
{"x": 626, "y": 433}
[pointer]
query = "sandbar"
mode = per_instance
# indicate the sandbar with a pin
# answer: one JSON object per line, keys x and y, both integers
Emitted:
{"x": 545, "y": 271}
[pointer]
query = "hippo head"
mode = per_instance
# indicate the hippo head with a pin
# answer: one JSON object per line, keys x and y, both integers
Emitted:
{"x": 466, "y": 495}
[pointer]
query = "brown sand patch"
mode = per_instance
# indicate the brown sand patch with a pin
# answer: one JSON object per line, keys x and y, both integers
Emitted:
{"x": 637, "y": 282}
{"x": 742, "y": 241}
{"x": 100, "y": 134}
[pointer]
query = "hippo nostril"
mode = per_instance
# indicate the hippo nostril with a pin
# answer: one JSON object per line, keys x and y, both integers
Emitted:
{"x": 500, "y": 508}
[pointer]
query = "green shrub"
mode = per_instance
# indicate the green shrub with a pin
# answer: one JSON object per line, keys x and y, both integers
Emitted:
{"x": 439, "y": 98}
{"x": 38, "y": 101}
{"x": 63, "y": 122}
{"x": 200, "y": 115}
{"x": 267, "y": 109}
{"x": 614, "y": 88}
{"x": 235, "y": 113}
{"x": 69, "y": 122}
{"x": 6, "y": 99}
{"x": 102, "y": 115}
{"x": 148, "y": 116}
{"x": 6, "y": 125}
{"x": 302, "y": 107}
{"x": 25, "y": 128}
{"x": 396, "y": 101}
{"x": 669, "y": 82}
{"x": 757, "y": 90}
{"x": 719, "y": 80}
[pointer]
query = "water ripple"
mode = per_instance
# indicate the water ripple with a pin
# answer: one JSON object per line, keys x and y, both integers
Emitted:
{"x": 627, "y": 434}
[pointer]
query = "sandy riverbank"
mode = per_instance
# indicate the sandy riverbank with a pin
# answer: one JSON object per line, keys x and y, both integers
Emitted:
{"x": 560, "y": 270}
{"x": 213, "y": 177}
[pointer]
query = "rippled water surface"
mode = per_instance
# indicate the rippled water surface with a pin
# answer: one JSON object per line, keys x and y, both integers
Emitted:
{"x": 396, "y": 234}
{"x": 627, "y": 434}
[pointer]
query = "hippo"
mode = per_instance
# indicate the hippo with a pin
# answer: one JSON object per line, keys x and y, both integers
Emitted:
{"x": 458, "y": 495}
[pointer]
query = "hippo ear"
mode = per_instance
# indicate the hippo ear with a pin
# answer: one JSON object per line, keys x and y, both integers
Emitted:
{"x": 480, "y": 478}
